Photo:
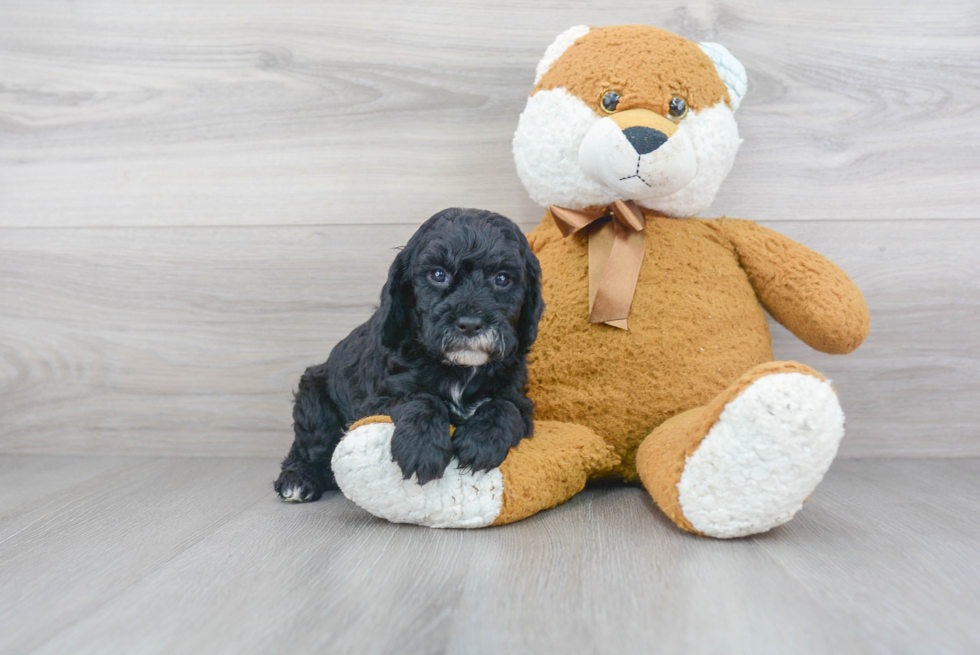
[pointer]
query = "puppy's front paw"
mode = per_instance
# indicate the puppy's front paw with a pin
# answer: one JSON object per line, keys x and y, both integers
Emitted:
{"x": 420, "y": 444}
{"x": 295, "y": 487}
{"x": 482, "y": 443}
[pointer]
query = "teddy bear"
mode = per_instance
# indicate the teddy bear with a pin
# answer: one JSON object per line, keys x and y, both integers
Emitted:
{"x": 654, "y": 361}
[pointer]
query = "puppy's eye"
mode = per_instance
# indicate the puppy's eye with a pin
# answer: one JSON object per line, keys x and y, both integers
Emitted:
{"x": 502, "y": 280}
{"x": 609, "y": 102}
{"x": 438, "y": 276}
{"x": 678, "y": 109}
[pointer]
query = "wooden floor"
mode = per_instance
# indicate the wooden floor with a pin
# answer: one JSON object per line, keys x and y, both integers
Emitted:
{"x": 106, "y": 554}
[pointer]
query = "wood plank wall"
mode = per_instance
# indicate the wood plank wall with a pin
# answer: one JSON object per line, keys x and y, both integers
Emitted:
{"x": 197, "y": 199}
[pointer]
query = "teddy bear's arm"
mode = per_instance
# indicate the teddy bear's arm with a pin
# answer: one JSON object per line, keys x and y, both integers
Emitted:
{"x": 801, "y": 289}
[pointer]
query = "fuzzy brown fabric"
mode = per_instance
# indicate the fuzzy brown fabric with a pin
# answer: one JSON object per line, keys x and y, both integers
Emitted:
{"x": 671, "y": 65}
{"x": 695, "y": 326}
{"x": 661, "y": 457}
{"x": 805, "y": 292}
{"x": 549, "y": 468}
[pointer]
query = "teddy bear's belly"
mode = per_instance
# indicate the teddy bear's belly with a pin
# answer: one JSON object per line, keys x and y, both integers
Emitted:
{"x": 694, "y": 327}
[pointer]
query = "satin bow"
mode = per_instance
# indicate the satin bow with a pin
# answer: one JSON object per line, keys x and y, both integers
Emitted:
{"x": 616, "y": 248}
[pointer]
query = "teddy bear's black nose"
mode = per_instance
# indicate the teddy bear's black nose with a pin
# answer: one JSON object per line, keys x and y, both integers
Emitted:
{"x": 644, "y": 139}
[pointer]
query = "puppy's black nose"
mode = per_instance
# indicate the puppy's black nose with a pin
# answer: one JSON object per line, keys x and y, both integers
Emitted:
{"x": 469, "y": 325}
{"x": 644, "y": 139}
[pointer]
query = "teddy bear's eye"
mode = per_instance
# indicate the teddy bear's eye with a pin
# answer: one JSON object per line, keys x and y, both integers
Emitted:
{"x": 609, "y": 102}
{"x": 678, "y": 108}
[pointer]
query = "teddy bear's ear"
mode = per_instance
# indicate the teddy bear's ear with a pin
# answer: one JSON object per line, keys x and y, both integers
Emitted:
{"x": 730, "y": 69}
{"x": 558, "y": 47}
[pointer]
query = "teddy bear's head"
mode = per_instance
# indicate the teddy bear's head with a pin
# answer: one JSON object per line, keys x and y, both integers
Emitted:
{"x": 630, "y": 113}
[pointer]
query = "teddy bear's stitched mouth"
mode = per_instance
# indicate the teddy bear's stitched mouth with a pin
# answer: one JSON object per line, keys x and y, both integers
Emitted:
{"x": 636, "y": 174}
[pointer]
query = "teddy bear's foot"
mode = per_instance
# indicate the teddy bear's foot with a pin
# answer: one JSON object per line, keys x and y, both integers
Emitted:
{"x": 367, "y": 475}
{"x": 746, "y": 462}
{"x": 540, "y": 472}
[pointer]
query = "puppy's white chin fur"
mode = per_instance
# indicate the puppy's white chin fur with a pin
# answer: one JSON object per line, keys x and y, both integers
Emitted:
{"x": 474, "y": 351}
{"x": 468, "y": 357}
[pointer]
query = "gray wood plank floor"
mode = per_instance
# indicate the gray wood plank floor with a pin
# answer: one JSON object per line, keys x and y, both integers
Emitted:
{"x": 164, "y": 555}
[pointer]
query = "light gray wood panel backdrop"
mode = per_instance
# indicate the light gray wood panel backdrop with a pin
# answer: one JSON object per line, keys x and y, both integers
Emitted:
{"x": 197, "y": 199}
{"x": 238, "y": 112}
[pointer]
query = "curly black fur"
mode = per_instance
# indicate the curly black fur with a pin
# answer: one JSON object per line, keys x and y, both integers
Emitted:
{"x": 442, "y": 348}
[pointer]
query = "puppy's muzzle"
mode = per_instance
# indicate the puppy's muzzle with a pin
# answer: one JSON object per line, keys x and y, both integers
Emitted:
{"x": 473, "y": 344}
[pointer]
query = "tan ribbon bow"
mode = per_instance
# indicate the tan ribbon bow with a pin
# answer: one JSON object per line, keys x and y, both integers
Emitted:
{"x": 616, "y": 250}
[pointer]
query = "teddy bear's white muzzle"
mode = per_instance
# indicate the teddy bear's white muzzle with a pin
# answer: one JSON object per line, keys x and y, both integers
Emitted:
{"x": 609, "y": 158}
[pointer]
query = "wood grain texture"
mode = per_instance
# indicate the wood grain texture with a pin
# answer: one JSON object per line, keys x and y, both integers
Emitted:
{"x": 884, "y": 558}
{"x": 302, "y": 112}
{"x": 34, "y": 487}
{"x": 190, "y": 340}
{"x": 109, "y": 531}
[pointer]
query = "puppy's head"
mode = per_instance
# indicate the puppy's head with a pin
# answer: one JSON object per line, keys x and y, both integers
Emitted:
{"x": 466, "y": 287}
{"x": 630, "y": 113}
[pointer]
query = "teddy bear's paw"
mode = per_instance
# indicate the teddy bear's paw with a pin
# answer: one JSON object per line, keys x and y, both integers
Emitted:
{"x": 766, "y": 453}
{"x": 366, "y": 474}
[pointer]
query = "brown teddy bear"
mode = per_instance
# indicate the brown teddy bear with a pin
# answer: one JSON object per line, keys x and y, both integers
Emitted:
{"x": 654, "y": 359}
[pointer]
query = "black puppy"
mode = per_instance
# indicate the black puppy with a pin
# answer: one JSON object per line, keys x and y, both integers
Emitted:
{"x": 448, "y": 344}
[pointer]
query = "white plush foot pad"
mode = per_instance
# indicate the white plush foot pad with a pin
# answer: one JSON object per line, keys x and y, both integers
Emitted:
{"x": 366, "y": 474}
{"x": 768, "y": 451}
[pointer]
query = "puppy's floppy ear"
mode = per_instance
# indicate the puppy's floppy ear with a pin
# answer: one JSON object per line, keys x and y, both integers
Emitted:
{"x": 527, "y": 322}
{"x": 398, "y": 295}
{"x": 397, "y": 300}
